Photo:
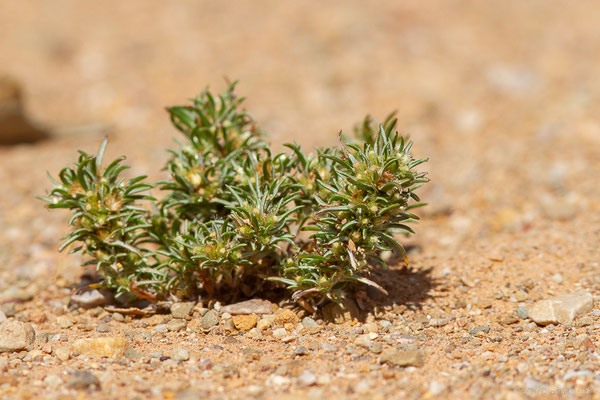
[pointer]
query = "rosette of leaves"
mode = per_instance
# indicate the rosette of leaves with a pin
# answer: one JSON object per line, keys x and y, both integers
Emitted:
{"x": 108, "y": 224}
{"x": 368, "y": 199}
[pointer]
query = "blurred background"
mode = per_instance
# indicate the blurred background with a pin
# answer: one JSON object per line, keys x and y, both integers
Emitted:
{"x": 502, "y": 96}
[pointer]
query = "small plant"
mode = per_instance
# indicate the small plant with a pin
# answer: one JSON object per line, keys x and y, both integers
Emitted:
{"x": 230, "y": 223}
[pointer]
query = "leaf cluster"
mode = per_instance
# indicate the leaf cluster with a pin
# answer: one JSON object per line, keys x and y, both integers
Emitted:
{"x": 236, "y": 219}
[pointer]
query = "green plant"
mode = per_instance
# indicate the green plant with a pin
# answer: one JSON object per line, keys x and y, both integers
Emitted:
{"x": 231, "y": 221}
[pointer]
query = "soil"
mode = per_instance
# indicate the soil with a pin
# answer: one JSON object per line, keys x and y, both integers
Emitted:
{"x": 501, "y": 96}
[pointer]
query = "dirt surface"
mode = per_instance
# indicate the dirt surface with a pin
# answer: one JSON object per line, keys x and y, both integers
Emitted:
{"x": 502, "y": 96}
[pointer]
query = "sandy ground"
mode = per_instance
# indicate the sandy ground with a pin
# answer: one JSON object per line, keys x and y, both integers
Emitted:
{"x": 502, "y": 96}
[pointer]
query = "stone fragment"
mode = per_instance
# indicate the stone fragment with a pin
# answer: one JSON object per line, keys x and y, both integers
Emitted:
{"x": 103, "y": 328}
{"x": 557, "y": 278}
{"x": 245, "y": 322}
{"x": 521, "y": 295}
{"x": 253, "y": 306}
{"x": 16, "y": 336}
{"x": 64, "y": 322}
{"x": 522, "y": 312}
{"x": 308, "y": 322}
{"x": 62, "y": 353}
{"x": 182, "y": 310}
{"x": 176, "y": 325}
{"x": 284, "y": 316}
{"x": 113, "y": 347}
{"x": 438, "y": 322}
{"x": 80, "y": 380}
{"x": 2, "y": 316}
{"x": 210, "y": 319}
{"x": 53, "y": 381}
{"x": 403, "y": 358}
{"x": 376, "y": 347}
{"x": 89, "y": 299}
{"x": 300, "y": 350}
{"x": 180, "y": 355}
{"x": 279, "y": 333}
{"x": 348, "y": 311}
{"x": 562, "y": 309}
{"x": 265, "y": 323}
{"x": 509, "y": 319}
{"x": 307, "y": 378}
{"x": 475, "y": 331}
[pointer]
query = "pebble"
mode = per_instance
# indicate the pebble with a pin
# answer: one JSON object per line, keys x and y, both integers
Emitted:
{"x": 376, "y": 347}
{"x": 509, "y": 319}
{"x": 182, "y": 310}
{"x": 300, "y": 350}
{"x": 308, "y": 322}
{"x": 131, "y": 354}
{"x": 557, "y": 278}
{"x": 180, "y": 355}
{"x": 16, "y": 336}
{"x": 118, "y": 317}
{"x": 521, "y": 295}
{"x": 279, "y": 333}
{"x": 436, "y": 388}
{"x": 210, "y": 319}
{"x": 284, "y": 316}
{"x": 438, "y": 322}
{"x": 103, "y": 328}
{"x": 62, "y": 353}
{"x": 264, "y": 323}
{"x": 113, "y": 347}
{"x": 2, "y": 316}
{"x": 348, "y": 311}
{"x": 89, "y": 299}
{"x": 80, "y": 379}
{"x": 245, "y": 322}
{"x": 307, "y": 378}
{"x": 64, "y": 322}
{"x": 363, "y": 340}
{"x": 403, "y": 358}
{"x": 475, "y": 331}
{"x": 329, "y": 347}
{"x": 253, "y": 306}
{"x": 522, "y": 312}
{"x": 176, "y": 325}
{"x": 3, "y": 365}
{"x": 562, "y": 309}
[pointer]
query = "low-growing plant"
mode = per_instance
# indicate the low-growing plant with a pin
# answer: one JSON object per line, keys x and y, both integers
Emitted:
{"x": 230, "y": 223}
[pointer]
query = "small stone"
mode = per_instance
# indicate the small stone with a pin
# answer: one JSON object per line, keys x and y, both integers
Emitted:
{"x": 2, "y": 316}
{"x": 279, "y": 333}
{"x": 300, "y": 350}
{"x": 284, "y": 316}
{"x": 308, "y": 322}
{"x": 307, "y": 378}
{"x": 62, "y": 353}
{"x": 438, "y": 322}
{"x": 245, "y": 322}
{"x": 521, "y": 295}
{"x": 64, "y": 322}
{"x": 403, "y": 358}
{"x": 436, "y": 388}
{"x": 103, "y": 328}
{"x": 329, "y": 347}
{"x": 113, "y": 347}
{"x": 131, "y": 354}
{"x": 252, "y": 354}
{"x": 89, "y": 299}
{"x": 557, "y": 278}
{"x": 3, "y": 365}
{"x": 182, "y": 310}
{"x": 585, "y": 321}
{"x": 264, "y": 323}
{"x": 484, "y": 329}
{"x": 509, "y": 319}
{"x": 348, "y": 311}
{"x": 180, "y": 355}
{"x": 176, "y": 325}
{"x": 210, "y": 319}
{"x": 363, "y": 340}
{"x": 118, "y": 317}
{"x": 36, "y": 355}
{"x": 47, "y": 348}
{"x": 81, "y": 380}
{"x": 16, "y": 336}
{"x": 562, "y": 309}
{"x": 253, "y": 306}
{"x": 376, "y": 347}
{"x": 522, "y": 312}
